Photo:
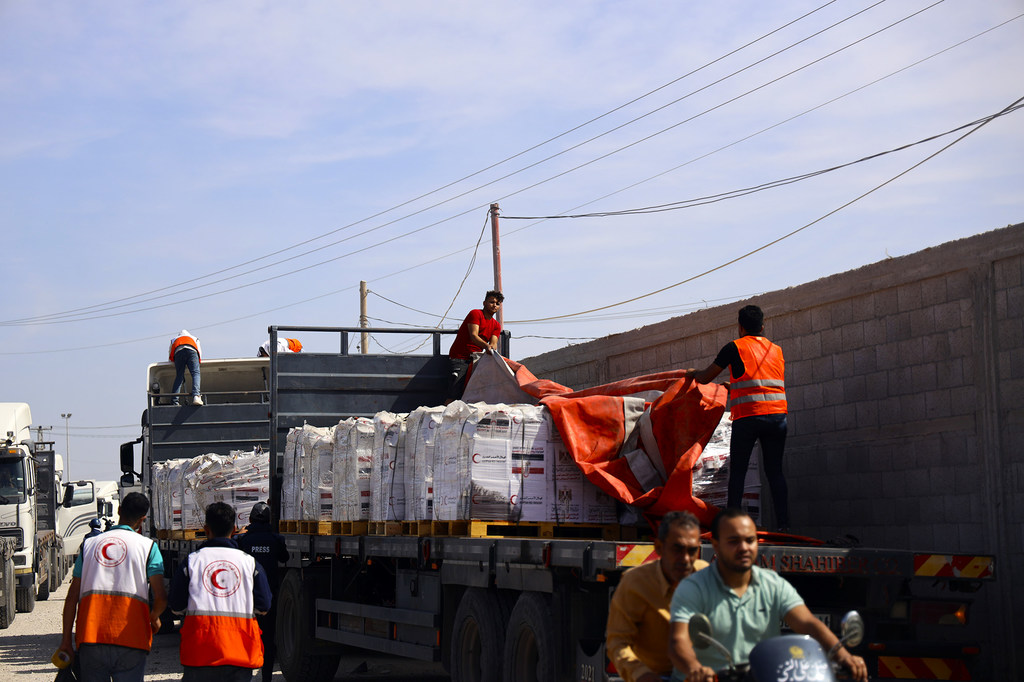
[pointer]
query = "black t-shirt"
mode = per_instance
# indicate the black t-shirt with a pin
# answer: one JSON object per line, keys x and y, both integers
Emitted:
{"x": 266, "y": 547}
{"x": 729, "y": 356}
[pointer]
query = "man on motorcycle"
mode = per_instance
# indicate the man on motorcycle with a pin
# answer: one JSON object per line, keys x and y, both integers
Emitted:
{"x": 745, "y": 604}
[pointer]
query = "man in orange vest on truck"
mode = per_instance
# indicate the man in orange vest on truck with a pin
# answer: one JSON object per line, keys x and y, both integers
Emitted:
{"x": 757, "y": 405}
{"x": 185, "y": 352}
{"x": 220, "y": 589}
{"x": 113, "y": 575}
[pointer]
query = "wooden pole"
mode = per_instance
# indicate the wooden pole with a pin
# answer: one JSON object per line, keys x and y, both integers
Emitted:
{"x": 364, "y": 338}
{"x": 496, "y": 251}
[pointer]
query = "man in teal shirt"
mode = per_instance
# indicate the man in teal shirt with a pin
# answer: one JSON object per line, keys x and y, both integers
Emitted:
{"x": 745, "y": 604}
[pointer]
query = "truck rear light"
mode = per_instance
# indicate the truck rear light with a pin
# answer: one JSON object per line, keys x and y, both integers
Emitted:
{"x": 925, "y": 612}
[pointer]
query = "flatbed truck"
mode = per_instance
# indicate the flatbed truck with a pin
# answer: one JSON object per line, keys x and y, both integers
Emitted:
{"x": 496, "y": 601}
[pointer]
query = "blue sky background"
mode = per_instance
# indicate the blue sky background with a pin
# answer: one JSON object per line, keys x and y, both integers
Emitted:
{"x": 224, "y": 166}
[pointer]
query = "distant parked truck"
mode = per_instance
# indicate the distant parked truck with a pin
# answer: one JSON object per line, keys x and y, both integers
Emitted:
{"x": 512, "y": 601}
{"x": 42, "y": 517}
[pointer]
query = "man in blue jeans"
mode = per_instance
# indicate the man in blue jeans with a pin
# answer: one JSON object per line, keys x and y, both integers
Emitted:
{"x": 757, "y": 406}
{"x": 185, "y": 352}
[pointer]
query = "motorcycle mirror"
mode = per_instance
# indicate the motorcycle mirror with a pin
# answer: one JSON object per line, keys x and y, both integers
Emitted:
{"x": 700, "y": 630}
{"x": 852, "y": 629}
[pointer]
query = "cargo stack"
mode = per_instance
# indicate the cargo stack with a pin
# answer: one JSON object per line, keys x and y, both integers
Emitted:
{"x": 711, "y": 472}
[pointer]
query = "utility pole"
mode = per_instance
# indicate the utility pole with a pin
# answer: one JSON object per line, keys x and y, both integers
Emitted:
{"x": 496, "y": 252}
{"x": 67, "y": 444}
{"x": 364, "y": 337}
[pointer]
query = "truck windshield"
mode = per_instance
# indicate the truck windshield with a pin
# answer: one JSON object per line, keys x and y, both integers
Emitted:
{"x": 12, "y": 481}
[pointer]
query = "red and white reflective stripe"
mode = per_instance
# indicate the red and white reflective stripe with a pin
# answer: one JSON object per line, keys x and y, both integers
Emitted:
{"x": 953, "y": 566}
{"x": 912, "y": 668}
{"x": 635, "y": 554}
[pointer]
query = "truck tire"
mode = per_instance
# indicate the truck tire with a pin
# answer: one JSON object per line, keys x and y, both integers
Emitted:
{"x": 298, "y": 654}
{"x": 56, "y": 577}
{"x": 7, "y": 607}
{"x": 478, "y": 636}
{"x": 530, "y": 642}
{"x": 44, "y": 587}
{"x": 26, "y": 598}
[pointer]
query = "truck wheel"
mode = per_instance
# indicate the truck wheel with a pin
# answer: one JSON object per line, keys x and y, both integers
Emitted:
{"x": 297, "y": 650}
{"x": 530, "y": 643}
{"x": 478, "y": 637}
{"x": 26, "y": 598}
{"x": 44, "y": 588}
{"x": 7, "y": 609}
{"x": 56, "y": 577}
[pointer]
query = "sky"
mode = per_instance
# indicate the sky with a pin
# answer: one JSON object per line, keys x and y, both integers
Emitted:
{"x": 224, "y": 166}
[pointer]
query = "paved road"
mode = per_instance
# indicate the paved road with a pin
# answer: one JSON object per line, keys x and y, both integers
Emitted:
{"x": 27, "y": 645}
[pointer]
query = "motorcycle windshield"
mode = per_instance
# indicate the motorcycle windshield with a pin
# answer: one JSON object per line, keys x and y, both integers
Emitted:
{"x": 790, "y": 658}
{"x": 12, "y": 480}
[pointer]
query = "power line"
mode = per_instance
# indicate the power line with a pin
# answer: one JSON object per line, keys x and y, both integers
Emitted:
{"x": 789, "y": 234}
{"x": 78, "y": 317}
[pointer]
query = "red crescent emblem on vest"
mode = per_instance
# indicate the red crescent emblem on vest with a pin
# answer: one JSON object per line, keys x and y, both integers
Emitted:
{"x": 222, "y": 578}
{"x": 111, "y": 552}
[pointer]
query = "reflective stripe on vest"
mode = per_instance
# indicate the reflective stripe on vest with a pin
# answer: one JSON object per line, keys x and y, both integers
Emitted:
{"x": 183, "y": 341}
{"x": 114, "y": 604}
{"x": 220, "y": 627}
{"x": 762, "y": 388}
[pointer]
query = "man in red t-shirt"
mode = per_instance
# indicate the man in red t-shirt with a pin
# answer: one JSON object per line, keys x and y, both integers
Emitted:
{"x": 478, "y": 334}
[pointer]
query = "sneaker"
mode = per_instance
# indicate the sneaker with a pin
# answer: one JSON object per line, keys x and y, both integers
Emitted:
{"x": 196, "y": 400}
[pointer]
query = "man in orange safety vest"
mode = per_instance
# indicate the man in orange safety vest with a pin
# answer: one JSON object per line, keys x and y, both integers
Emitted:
{"x": 757, "y": 403}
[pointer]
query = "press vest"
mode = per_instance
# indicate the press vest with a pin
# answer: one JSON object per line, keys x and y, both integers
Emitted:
{"x": 184, "y": 340}
{"x": 113, "y": 606}
{"x": 220, "y": 627}
{"x": 762, "y": 388}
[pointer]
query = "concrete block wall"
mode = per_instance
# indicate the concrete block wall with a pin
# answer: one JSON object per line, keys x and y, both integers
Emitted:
{"x": 905, "y": 381}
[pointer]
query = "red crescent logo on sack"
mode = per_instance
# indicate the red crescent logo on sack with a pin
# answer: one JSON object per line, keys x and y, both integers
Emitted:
{"x": 476, "y": 458}
{"x": 112, "y": 552}
{"x": 222, "y": 578}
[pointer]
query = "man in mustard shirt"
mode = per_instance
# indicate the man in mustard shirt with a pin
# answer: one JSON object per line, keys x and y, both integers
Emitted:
{"x": 638, "y": 618}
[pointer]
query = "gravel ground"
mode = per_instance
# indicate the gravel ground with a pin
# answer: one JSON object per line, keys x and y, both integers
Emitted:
{"x": 27, "y": 645}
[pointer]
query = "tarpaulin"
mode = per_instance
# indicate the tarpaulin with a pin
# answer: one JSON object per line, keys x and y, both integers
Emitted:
{"x": 637, "y": 439}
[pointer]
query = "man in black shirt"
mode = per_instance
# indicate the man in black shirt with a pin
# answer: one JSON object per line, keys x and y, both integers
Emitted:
{"x": 269, "y": 549}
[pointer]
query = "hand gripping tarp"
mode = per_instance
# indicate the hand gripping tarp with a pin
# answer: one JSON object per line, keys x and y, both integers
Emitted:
{"x": 637, "y": 439}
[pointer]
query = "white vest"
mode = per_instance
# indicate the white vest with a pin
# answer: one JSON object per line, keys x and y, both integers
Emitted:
{"x": 221, "y": 583}
{"x": 115, "y": 563}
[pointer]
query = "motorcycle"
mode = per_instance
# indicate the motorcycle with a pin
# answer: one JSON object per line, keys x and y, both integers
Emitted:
{"x": 787, "y": 658}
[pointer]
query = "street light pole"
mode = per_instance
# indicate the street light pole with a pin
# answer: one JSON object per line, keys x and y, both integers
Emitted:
{"x": 67, "y": 445}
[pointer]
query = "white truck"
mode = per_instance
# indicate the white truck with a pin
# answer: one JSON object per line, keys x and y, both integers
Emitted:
{"x": 42, "y": 517}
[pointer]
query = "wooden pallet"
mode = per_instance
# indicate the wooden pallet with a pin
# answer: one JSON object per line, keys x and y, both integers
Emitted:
{"x": 288, "y": 526}
{"x": 525, "y": 529}
{"x": 385, "y": 528}
{"x": 349, "y": 527}
{"x": 435, "y": 528}
{"x": 315, "y": 527}
{"x": 188, "y": 534}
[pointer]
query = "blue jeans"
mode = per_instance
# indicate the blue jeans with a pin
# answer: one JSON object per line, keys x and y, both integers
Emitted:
{"x": 185, "y": 357}
{"x": 106, "y": 662}
{"x": 770, "y": 429}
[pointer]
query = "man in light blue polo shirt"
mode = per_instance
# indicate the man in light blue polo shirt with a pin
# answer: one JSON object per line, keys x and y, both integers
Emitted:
{"x": 745, "y": 604}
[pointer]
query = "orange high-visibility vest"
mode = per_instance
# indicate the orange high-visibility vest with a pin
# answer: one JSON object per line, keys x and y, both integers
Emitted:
{"x": 114, "y": 603}
{"x": 184, "y": 340}
{"x": 220, "y": 627}
{"x": 294, "y": 345}
{"x": 762, "y": 388}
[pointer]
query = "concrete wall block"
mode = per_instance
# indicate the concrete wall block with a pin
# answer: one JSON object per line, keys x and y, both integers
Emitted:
{"x": 820, "y": 318}
{"x": 914, "y": 407}
{"x": 824, "y": 419}
{"x": 890, "y": 411}
{"x": 938, "y": 404}
{"x": 618, "y": 365}
{"x": 963, "y": 400}
{"x": 663, "y": 356}
{"x": 880, "y": 459}
{"x": 842, "y": 364}
{"x": 852, "y": 336}
{"x": 864, "y": 361}
{"x": 949, "y": 373}
{"x": 1015, "y": 302}
{"x": 911, "y": 351}
{"x": 1006, "y": 272}
{"x": 897, "y": 327}
{"x": 957, "y": 507}
{"x": 886, "y": 302}
{"x": 846, "y": 416}
{"x": 908, "y": 511}
{"x": 841, "y": 312}
{"x": 810, "y": 346}
{"x": 634, "y": 364}
{"x": 933, "y": 291}
{"x": 909, "y": 296}
{"x": 969, "y": 481}
{"x": 822, "y": 369}
{"x": 958, "y": 285}
{"x": 900, "y": 380}
{"x": 877, "y": 385}
{"x": 933, "y": 507}
{"x": 862, "y": 308}
{"x": 935, "y": 348}
{"x": 972, "y": 538}
{"x": 947, "y": 316}
{"x": 961, "y": 342}
{"x": 831, "y": 341}
{"x": 855, "y": 389}
{"x": 800, "y": 322}
{"x": 798, "y": 374}
{"x": 918, "y": 483}
{"x": 922, "y": 321}
{"x": 999, "y": 299}
{"x": 648, "y": 361}
{"x": 923, "y": 377}
{"x": 812, "y": 396}
{"x": 867, "y": 414}
{"x": 1010, "y": 333}
{"x": 874, "y": 332}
